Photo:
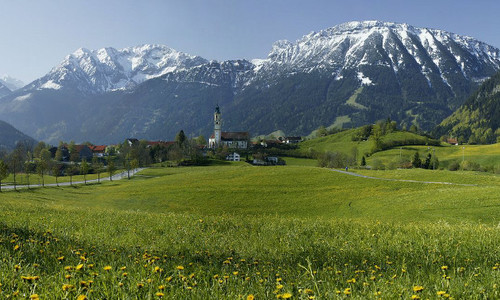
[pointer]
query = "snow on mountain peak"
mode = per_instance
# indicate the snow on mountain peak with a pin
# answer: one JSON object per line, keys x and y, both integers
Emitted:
{"x": 354, "y": 44}
{"x": 108, "y": 69}
{"x": 11, "y": 82}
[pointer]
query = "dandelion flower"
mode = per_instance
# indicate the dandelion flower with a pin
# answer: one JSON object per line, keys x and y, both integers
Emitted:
{"x": 286, "y": 296}
{"x": 415, "y": 297}
{"x": 107, "y": 268}
{"x": 160, "y": 294}
{"x": 347, "y": 291}
{"x": 79, "y": 267}
{"x": 81, "y": 297}
{"x": 418, "y": 288}
{"x": 180, "y": 268}
{"x": 34, "y": 297}
{"x": 250, "y": 297}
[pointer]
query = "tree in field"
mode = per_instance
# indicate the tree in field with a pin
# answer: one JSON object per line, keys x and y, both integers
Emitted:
{"x": 427, "y": 162}
{"x": 363, "y": 161}
{"x": 84, "y": 169}
{"x": 4, "y": 172}
{"x": 74, "y": 156}
{"x": 59, "y": 154}
{"x": 42, "y": 164}
{"x": 111, "y": 168}
{"x": 416, "y": 162}
{"x": 16, "y": 158}
{"x": 180, "y": 138}
{"x": 27, "y": 171}
{"x": 55, "y": 171}
{"x": 134, "y": 164}
{"x": 38, "y": 149}
{"x": 97, "y": 166}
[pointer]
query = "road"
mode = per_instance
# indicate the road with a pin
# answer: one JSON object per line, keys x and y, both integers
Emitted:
{"x": 117, "y": 176}
{"x": 401, "y": 180}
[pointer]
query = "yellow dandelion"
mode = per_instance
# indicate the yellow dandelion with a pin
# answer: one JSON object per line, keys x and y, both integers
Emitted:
{"x": 418, "y": 288}
{"x": 34, "y": 297}
{"x": 81, "y": 297}
{"x": 353, "y": 280}
{"x": 444, "y": 268}
{"x": 16, "y": 247}
{"x": 347, "y": 291}
{"x": 67, "y": 287}
{"x": 440, "y": 293}
{"x": 161, "y": 287}
{"x": 60, "y": 258}
{"x": 235, "y": 273}
{"x": 67, "y": 276}
{"x": 415, "y": 297}
{"x": 168, "y": 279}
{"x": 123, "y": 268}
{"x": 160, "y": 294}
{"x": 250, "y": 297}
{"x": 79, "y": 267}
{"x": 140, "y": 285}
{"x": 180, "y": 268}
{"x": 125, "y": 274}
{"x": 309, "y": 291}
{"x": 286, "y": 296}
{"x": 107, "y": 268}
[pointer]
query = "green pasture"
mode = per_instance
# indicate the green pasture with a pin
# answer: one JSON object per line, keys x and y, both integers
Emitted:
{"x": 235, "y": 231}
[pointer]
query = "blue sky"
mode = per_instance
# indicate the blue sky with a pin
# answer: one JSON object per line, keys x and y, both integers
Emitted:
{"x": 37, "y": 34}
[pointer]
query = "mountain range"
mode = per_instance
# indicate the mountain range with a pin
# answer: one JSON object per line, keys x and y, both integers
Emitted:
{"x": 10, "y": 137}
{"x": 348, "y": 75}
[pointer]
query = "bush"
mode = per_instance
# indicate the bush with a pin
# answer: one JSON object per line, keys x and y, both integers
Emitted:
{"x": 335, "y": 160}
{"x": 470, "y": 166}
{"x": 454, "y": 166}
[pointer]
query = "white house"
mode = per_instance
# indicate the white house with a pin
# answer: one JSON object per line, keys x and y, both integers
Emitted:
{"x": 233, "y": 157}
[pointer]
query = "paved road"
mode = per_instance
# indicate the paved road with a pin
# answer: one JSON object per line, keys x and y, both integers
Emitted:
{"x": 117, "y": 176}
{"x": 401, "y": 180}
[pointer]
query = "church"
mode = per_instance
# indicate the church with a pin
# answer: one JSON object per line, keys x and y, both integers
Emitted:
{"x": 219, "y": 138}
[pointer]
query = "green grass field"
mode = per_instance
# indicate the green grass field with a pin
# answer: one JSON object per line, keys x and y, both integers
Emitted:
{"x": 236, "y": 231}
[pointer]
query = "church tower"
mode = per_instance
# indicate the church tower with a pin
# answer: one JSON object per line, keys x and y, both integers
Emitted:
{"x": 217, "y": 126}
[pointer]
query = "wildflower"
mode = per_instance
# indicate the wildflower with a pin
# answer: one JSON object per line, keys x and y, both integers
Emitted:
{"x": 66, "y": 287}
{"x": 140, "y": 285}
{"x": 418, "y": 288}
{"x": 125, "y": 274}
{"x": 168, "y": 279}
{"x": 17, "y": 267}
{"x": 161, "y": 287}
{"x": 160, "y": 294}
{"x": 60, "y": 258}
{"x": 286, "y": 296}
{"x": 81, "y": 297}
{"x": 250, "y": 297}
{"x": 123, "y": 268}
{"x": 309, "y": 291}
{"x": 79, "y": 267}
{"x": 235, "y": 273}
{"x": 16, "y": 247}
{"x": 444, "y": 268}
{"x": 34, "y": 297}
{"x": 157, "y": 269}
{"x": 415, "y": 297}
{"x": 180, "y": 268}
{"x": 67, "y": 276}
{"x": 107, "y": 268}
{"x": 347, "y": 291}
{"x": 353, "y": 280}
{"x": 441, "y": 293}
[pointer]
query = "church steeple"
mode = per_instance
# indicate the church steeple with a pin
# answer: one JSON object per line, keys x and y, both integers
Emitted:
{"x": 217, "y": 126}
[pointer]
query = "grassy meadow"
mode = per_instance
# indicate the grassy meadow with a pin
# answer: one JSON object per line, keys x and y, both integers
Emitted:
{"x": 235, "y": 231}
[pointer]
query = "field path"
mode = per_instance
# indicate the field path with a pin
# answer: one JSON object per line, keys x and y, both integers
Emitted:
{"x": 401, "y": 180}
{"x": 117, "y": 176}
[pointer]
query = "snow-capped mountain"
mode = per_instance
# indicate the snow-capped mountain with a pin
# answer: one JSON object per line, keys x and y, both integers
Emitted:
{"x": 11, "y": 82}
{"x": 109, "y": 69}
{"x": 355, "y": 44}
{"x": 348, "y": 75}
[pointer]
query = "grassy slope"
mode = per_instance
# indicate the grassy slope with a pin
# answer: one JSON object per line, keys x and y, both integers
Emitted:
{"x": 389, "y": 236}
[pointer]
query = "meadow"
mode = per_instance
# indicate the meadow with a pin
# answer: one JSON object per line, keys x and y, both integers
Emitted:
{"x": 236, "y": 231}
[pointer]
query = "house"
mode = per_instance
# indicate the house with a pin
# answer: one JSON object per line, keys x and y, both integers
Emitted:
{"x": 98, "y": 151}
{"x": 292, "y": 139}
{"x": 84, "y": 152}
{"x": 132, "y": 142}
{"x": 233, "y": 157}
{"x": 238, "y": 140}
{"x": 452, "y": 141}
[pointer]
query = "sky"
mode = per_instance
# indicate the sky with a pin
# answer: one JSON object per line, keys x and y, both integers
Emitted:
{"x": 36, "y": 35}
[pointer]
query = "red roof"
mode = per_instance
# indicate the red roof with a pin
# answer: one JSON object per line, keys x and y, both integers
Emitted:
{"x": 235, "y": 136}
{"x": 98, "y": 149}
